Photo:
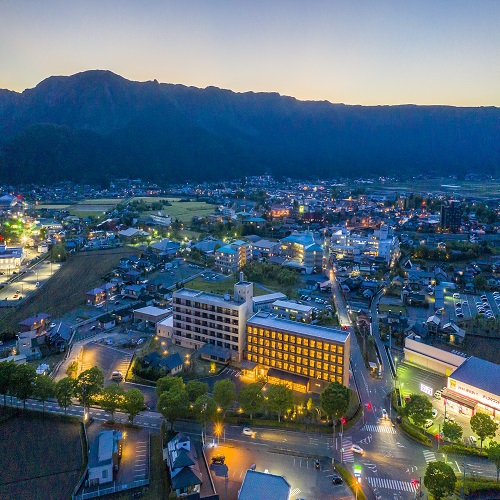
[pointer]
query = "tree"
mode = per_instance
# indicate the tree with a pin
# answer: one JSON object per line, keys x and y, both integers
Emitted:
{"x": 133, "y": 403}
{"x": 43, "y": 388}
{"x": 6, "y": 372}
{"x": 494, "y": 455}
{"x": 195, "y": 389}
{"x": 483, "y": 426}
{"x": 335, "y": 400}
{"x": 72, "y": 370}
{"x": 64, "y": 392}
{"x": 173, "y": 404}
{"x": 440, "y": 479}
{"x": 89, "y": 385}
{"x": 419, "y": 409}
{"x": 22, "y": 382}
{"x": 480, "y": 283}
{"x": 279, "y": 399}
{"x": 251, "y": 399}
{"x": 112, "y": 398}
{"x": 205, "y": 409}
{"x": 452, "y": 431}
{"x": 164, "y": 384}
{"x": 224, "y": 393}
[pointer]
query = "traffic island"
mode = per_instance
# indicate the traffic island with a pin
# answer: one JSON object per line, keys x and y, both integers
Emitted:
{"x": 353, "y": 482}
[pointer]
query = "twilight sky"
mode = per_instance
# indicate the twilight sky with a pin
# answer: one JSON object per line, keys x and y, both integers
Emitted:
{"x": 351, "y": 51}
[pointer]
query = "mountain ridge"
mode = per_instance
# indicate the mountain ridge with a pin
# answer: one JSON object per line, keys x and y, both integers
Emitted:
{"x": 96, "y": 125}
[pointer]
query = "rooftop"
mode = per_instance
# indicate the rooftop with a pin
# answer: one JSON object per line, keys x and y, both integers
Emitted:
{"x": 262, "y": 486}
{"x": 188, "y": 293}
{"x": 479, "y": 373}
{"x": 287, "y": 304}
{"x": 319, "y": 332}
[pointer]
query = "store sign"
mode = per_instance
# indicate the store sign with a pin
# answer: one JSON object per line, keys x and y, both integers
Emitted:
{"x": 357, "y": 470}
{"x": 426, "y": 389}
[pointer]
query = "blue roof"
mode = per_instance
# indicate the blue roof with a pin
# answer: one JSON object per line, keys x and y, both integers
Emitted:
{"x": 479, "y": 373}
{"x": 226, "y": 249}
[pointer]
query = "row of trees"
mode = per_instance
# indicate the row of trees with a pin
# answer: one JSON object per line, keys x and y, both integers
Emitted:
{"x": 22, "y": 382}
{"x": 177, "y": 400}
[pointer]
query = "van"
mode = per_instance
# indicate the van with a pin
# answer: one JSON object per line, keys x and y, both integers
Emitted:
{"x": 117, "y": 376}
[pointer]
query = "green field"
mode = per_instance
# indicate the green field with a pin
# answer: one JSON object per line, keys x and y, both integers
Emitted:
{"x": 222, "y": 287}
{"x": 41, "y": 456}
{"x": 184, "y": 211}
{"x": 65, "y": 291}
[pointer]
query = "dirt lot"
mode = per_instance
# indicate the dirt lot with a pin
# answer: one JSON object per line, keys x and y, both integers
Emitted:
{"x": 65, "y": 291}
{"x": 41, "y": 457}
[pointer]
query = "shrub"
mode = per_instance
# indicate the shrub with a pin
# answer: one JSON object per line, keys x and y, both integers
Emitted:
{"x": 459, "y": 449}
{"x": 415, "y": 433}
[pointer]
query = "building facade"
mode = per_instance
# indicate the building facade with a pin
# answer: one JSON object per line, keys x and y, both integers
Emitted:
{"x": 229, "y": 259}
{"x": 302, "y": 249}
{"x": 202, "y": 318}
{"x": 305, "y": 357}
{"x": 451, "y": 216}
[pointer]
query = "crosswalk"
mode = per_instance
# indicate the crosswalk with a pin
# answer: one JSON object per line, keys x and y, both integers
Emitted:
{"x": 387, "y": 429}
{"x": 429, "y": 456}
{"x": 124, "y": 364}
{"x": 231, "y": 372}
{"x": 347, "y": 453}
{"x": 294, "y": 492}
{"x": 392, "y": 484}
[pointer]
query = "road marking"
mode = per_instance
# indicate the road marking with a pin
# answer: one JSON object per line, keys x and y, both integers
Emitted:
{"x": 295, "y": 491}
{"x": 458, "y": 468}
{"x": 429, "y": 456}
{"x": 346, "y": 445}
{"x": 387, "y": 429}
{"x": 392, "y": 484}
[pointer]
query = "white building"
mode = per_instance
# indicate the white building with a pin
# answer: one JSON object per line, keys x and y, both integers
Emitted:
{"x": 292, "y": 310}
{"x": 165, "y": 327}
{"x": 103, "y": 457}
{"x": 207, "y": 319}
{"x": 10, "y": 258}
{"x": 230, "y": 258}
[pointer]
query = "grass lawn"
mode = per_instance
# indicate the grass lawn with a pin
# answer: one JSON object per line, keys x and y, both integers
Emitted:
{"x": 221, "y": 287}
{"x": 184, "y": 211}
{"x": 65, "y": 291}
{"x": 393, "y": 308}
{"x": 41, "y": 456}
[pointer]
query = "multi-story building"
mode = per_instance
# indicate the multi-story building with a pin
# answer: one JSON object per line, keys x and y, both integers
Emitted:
{"x": 10, "y": 258}
{"x": 302, "y": 249}
{"x": 229, "y": 259}
{"x": 212, "y": 323}
{"x": 292, "y": 310}
{"x": 303, "y": 356}
{"x": 451, "y": 216}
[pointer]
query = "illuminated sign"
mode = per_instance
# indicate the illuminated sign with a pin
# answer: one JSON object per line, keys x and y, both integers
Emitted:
{"x": 426, "y": 389}
{"x": 357, "y": 470}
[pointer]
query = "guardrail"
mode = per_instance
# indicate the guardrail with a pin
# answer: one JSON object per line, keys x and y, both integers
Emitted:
{"x": 113, "y": 489}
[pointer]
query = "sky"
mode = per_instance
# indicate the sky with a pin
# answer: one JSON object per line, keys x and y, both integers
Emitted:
{"x": 364, "y": 52}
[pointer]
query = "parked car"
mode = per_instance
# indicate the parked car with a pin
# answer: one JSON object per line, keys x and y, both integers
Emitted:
{"x": 336, "y": 479}
{"x": 218, "y": 459}
{"x": 437, "y": 394}
{"x": 247, "y": 431}
{"x": 434, "y": 413}
{"x": 428, "y": 423}
{"x": 472, "y": 440}
{"x": 116, "y": 375}
{"x": 456, "y": 295}
{"x": 384, "y": 413}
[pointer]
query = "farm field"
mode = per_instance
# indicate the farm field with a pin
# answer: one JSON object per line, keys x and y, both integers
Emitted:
{"x": 184, "y": 211}
{"x": 41, "y": 458}
{"x": 65, "y": 291}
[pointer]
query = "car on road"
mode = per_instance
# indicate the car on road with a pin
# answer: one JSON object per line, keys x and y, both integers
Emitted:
{"x": 384, "y": 413}
{"x": 336, "y": 479}
{"x": 449, "y": 418}
{"x": 37, "y": 284}
{"x": 428, "y": 423}
{"x": 141, "y": 341}
{"x": 52, "y": 325}
{"x": 437, "y": 394}
{"x": 116, "y": 375}
{"x": 456, "y": 295}
{"x": 472, "y": 440}
{"x": 434, "y": 413}
{"x": 357, "y": 449}
{"x": 218, "y": 459}
{"x": 317, "y": 465}
{"x": 247, "y": 431}
{"x": 16, "y": 296}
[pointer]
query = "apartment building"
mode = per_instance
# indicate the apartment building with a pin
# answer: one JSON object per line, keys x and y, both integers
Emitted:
{"x": 303, "y": 356}
{"x": 229, "y": 259}
{"x": 211, "y": 323}
{"x": 303, "y": 251}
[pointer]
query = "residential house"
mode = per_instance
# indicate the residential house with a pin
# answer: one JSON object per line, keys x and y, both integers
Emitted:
{"x": 27, "y": 345}
{"x": 103, "y": 457}
{"x": 38, "y": 323}
{"x": 171, "y": 364}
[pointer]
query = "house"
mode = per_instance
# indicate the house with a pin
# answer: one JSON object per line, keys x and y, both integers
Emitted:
{"x": 27, "y": 345}
{"x": 165, "y": 248}
{"x": 165, "y": 327}
{"x": 133, "y": 291}
{"x": 150, "y": 315}
{"x": 263, "y": 486}
{"x": 433, "y": 323}
{"x": 107, "y": 321}
{"x": 185, "y": 474}
{"x": 454, "y": 332}
{"x": 95, "y": 297}
{"x": 58, "y": 336}
{"x": 103, "y": 457}
{"x": 170, "y": 365}
{"x": 132, "y": 276}
{"x": 37, "y": 323}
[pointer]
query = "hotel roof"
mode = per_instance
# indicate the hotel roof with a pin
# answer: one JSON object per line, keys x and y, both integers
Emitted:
{"x": 320, "y": 332}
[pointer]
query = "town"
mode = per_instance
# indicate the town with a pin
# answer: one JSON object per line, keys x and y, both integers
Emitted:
{"x": 249, "y": 339}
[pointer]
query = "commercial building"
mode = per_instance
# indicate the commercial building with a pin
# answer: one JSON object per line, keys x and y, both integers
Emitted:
{"x": 10, "y": 258}
{"x": 229, "y": 259}
{"x": 263, "y": 485}
{"x": 265, "y": 302}
{"x": 292, "y": 310}
{"x": 303, "y": 356}
{"x": 150, "y": 315}
{"x": 304, "y": 253}
{"x": 103, "y": 457}
{"x": 202, "y": 318}
{"x": 474, "y": 386}
{"x": 451, "y": 216}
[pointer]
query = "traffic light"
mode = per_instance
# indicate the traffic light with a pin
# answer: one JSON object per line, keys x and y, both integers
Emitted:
{"x": 343, "y": 420}
{"x": 414, "y": 482}
{"x": 369, "y": 406}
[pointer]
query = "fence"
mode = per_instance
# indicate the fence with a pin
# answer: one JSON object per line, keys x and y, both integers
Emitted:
{"x": 112, "y": 489}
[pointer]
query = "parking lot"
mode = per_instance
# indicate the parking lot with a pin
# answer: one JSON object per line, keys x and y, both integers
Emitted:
{"x": 460, "y": 306}
{"x": 299, "y": 470}
{"x": 107, "y": 358}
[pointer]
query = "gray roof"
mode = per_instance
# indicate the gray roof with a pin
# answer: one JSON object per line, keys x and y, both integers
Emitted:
{"x": 479, "y": 373}
{"x": 216, "y": 350}
{"x": 262, "y": 486}
{"x": 267, "y": 320}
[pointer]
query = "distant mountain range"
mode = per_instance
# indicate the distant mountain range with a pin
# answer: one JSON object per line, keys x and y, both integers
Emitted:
{"x": 95, "y": 126}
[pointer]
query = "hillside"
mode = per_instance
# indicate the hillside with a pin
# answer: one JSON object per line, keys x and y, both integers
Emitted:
{"x": 96, "y": 125}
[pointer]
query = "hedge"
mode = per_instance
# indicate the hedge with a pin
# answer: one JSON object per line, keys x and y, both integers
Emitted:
{"x": 458, "y": 449}
{"x": 350, "y": 481}
{"x": 414, "y": 433}
{"x": 477, "y": 485}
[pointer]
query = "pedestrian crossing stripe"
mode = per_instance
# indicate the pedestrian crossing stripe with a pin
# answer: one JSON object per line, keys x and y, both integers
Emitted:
{"x": 387, "y": 429}
{"x": 429, "y": 456}
{"x": 392, "y": 484}
{"x": 295, "y": 491}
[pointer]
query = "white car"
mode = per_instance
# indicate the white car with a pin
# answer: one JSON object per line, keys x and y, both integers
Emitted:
{"x": 428, "y": 423}
{"x": 434, "y": 413}
{"x": 357, "y": 449}
{"x": 437, "y": 394}
{"x": 247, "y": 431}
{"x": 472, "y": 440}
{"x": 384, "y": 413}
{"x": 456, "y": 295}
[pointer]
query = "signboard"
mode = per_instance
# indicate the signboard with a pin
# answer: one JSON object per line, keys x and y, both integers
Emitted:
{"x": 426, "y": 389}
{"x": 357, "y": 470}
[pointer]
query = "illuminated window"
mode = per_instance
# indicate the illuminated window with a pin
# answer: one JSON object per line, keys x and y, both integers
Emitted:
{"x": 319, "y": 345}
{"x": 325, "y": 367}
{"x": 280, "y": 336}
{"x": 339, "y": 380}
{"x": 326, "y": 347}
{"x": 339, "y": 360}
{"x": 299, "y": 340}
{"x": 312, "y": 343}
{"x": 299, "y": 360}
{"x": 266, "y": 361}
{"x": 280, "y": 346}
{"x": 325, "y": 376}
{"x": 311, "y": 373}
{"x": 261, "y": 359}
{"x": 266, "y": 343}
{"x": 333, "y": 348}
{"x": 340, "y": 350}
{"x": 273, "y": 344}
{"x": 273, "y": 362}
{"x": 292, "y": 368}
{"x": 306, "y": 352}
{"x": 285, "y": 357}
{"x": 286, "y": 347}
{"x": 339, "y": 370}
{"x": 326, "y": 357}
{"x": 292, "y": 348}
{"x": 261, "y": 331}
{"x": 249, "y": 329}
{"x": 299, "y": 369}
{"x": 279, "y": 364}
{"x": 305, "y": 361}
{"x": 254, "y": 358}
{"x": 280, "y": 355}
{"x": 306, "y": 342}
{"x": 312, "y": 353}
{"x": 319, "y": 355}
{"x": 333, "y": 368}
{"x": 285, "y": 337}
{"x": 318, "y": 365}
{"x": 292, "y": 358}
{"x": 261, "y": 350}
{"x": 292, "y": 339}
{"x": 273, "y": 335}
{"x": 333, "y": 359}
{"x": 266, "y": 352}
{"x": 299, "y": 350}
{"x": 261, "y": 341}
{"x": 332, "y": 378}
